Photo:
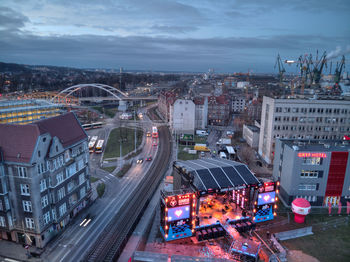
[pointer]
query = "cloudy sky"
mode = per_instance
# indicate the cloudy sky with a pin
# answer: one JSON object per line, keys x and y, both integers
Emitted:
{"x": 182, "y": 35}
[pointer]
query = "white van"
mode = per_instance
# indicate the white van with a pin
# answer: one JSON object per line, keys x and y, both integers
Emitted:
{"x": 223, "y": 155}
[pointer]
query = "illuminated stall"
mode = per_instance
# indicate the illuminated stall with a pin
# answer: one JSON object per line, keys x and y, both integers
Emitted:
{"x": 265, "y": 204}
{"x": 177, "y": 215}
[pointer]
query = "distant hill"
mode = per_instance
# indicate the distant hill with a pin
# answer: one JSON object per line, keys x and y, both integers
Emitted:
{"x": 10, "y": 67}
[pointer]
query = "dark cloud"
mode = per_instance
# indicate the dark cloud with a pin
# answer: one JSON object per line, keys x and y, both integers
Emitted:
{"x": 10, "y": 19}
{"x": 153, "y": 52}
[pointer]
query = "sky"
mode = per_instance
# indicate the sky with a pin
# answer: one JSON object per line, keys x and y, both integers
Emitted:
{"x": 172, "y": 35}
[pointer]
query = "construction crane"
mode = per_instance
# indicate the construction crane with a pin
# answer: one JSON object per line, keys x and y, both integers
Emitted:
{"x": 281, "y": 69}
{"x": 338, "y": 70}
{"x": 318, "y": 64}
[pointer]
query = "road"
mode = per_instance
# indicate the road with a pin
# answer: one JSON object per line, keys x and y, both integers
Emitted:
{"x": 76, "y": 240}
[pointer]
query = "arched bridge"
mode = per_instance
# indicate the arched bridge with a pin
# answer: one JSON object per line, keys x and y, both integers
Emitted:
{"x": 114, "y": 92}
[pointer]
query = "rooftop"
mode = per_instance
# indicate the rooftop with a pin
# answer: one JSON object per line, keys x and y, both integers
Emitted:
{"x": 21, "y": 105}
{"x": 217, "y": 174}
{"x": 17, "y": 142}
{"x": 317, "y": 145}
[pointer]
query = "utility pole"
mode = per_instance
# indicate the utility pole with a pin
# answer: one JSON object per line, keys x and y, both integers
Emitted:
{"x": 135, "y": 129}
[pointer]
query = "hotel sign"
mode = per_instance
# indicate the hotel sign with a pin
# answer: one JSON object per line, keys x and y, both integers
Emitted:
{"x": 309, "y": 154}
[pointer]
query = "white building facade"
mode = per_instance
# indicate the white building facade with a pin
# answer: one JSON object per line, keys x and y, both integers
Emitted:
{"x": 182, "y": 116}
{"x": 301, "y": 119}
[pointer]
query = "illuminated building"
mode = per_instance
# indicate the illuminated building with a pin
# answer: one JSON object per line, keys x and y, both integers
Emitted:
{"x": 44, "y": 178}
{"x": 317, "y": 170}
{"x": 27, "y": 111}
{"x": 301, "y": 119}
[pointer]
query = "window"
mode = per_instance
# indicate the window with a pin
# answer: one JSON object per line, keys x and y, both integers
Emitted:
{"x": 53, "y": 213}
{"x": 29, "y": 222}
{"x": 81, "y": 164}
{"x": 312, "y": 161}
{"x": 44, "y": 201}
{"x": 59, "y": 178}
{"x": 81, "y": 178}
{"x": 27, "y": 206}
{"x": 82, "y": 192}
{"x": 61, "y": 193}
{"x": 42, "y": 185}
{"x": 39, "y": 154}
{"x": 307, "y": 187}
{"x": 1, "y": 206}
{"x": 70, "y": 186}
{"x": 22, "y": 171}
{"x": 46, "y": 217}
{"x": 63, "y": 209}
{"x": 25, "y": 190}
{"x": 41, "y": 168}
{"x": 2, "y": 221}
{"x": 71, "y": 170}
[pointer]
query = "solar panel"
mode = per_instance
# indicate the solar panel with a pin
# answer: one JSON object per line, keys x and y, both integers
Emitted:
{"x": 246, "y": 174}
{"x": 233, "y": 175}
{"x": 221, "y": 177}
{"x": 207, "y": 179}
{"x": 197, "y": 182}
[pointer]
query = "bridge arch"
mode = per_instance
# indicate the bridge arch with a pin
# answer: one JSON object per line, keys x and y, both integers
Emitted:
{"x": 109, "y": 89}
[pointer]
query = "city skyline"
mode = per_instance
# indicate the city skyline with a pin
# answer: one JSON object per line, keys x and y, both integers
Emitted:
{"x": 229, "y": 36}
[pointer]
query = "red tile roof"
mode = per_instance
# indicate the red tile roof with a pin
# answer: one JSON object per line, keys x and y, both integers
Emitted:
{"x": 17, "y": 142}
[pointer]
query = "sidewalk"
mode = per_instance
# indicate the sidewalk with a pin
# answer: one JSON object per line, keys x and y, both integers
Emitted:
{"x": 16, "y": 251}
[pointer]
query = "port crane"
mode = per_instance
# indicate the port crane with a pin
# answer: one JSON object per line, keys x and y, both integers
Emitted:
{"x": 281, "y": 69}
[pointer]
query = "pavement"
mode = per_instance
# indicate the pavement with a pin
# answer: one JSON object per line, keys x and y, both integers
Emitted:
{"x": 12, "y": 252}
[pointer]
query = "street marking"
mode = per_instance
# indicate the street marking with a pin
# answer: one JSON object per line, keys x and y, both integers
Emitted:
{"x": 102, "y": 179}
{"x": 107, "y": 177}
{"x": 110, "y": 175}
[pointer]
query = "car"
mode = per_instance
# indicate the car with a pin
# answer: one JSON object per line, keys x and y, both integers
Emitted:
{"x": 139, "y": 161}
{"x": 149, "y": 158}
{"x": 148, "y": 134}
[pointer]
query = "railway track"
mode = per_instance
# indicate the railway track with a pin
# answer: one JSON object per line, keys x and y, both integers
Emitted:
{"x": 110, "y": 243}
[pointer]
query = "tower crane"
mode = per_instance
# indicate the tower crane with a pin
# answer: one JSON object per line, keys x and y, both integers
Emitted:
{"x": 317, "y": 67}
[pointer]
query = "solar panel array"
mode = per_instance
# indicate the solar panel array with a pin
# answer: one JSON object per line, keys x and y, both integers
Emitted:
{"x": 218, "y": 174}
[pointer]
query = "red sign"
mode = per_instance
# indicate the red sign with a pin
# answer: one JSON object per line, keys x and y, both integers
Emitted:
{"x": 323, "y": 155}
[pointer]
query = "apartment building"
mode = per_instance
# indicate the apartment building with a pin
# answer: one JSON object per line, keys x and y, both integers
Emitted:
{"x": 238, "y": 104}
{"x": 317, "y": 170}
{"x": 219, "y": 109}
{"x": 44, "y": 178}
{"x": 182, "y": 116}
{"x": 201, "y": 112}
{"x": 301, "y": 119}
{"x": 165, "y": 100}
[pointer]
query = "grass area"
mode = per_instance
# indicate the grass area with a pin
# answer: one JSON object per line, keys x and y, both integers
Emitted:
{"x": 127, "y": 138}
{"x": 123, "y": 171}
{"x": 138, "y": 151}
{"x": 330, "y": 245}
{"x": 98, "y": 108}
{"x": 183, "y": 155}
{"x": 101, "y": 189}
{"x": 93, "y": 179}
{"x": 109, "y": 169}
{"x": 200, "y": 139}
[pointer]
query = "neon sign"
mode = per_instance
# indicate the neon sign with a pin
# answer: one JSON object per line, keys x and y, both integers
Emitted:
{"x": 322, "y": 155}
{"x": 178, "y": 213}
{"x": 266, "y": 198}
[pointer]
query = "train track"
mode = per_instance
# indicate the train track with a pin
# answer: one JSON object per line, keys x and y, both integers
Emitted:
{"x": 114, "y": 237}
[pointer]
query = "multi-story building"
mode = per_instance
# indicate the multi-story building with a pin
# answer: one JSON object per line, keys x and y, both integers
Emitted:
{"x": 219, "y": 108}
{"x": 182, "y": 116}
{"x": 201, "y": 112}
{"x": 251, "y": 135}
{"x": 238, "y": 104}
{"x": 317, "y": 170}
{"x": 165, "y": 100}
{"x": 27, "y": 111}
{"x": 301, "y": 119}
{"x": 254, "y": 108}
{"x": 44, "y": 178}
